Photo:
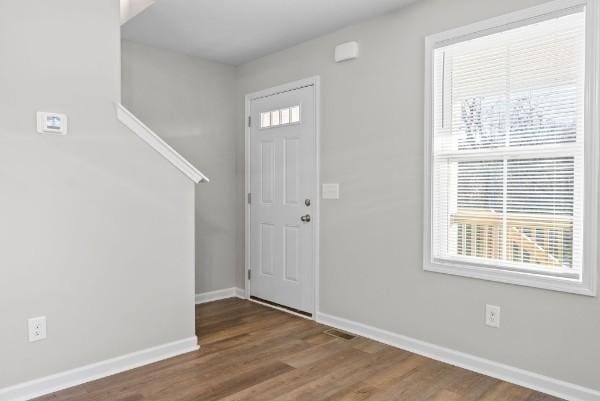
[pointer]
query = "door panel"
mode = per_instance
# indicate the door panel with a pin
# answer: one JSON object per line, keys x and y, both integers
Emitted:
{"x": 267, "y": 167}
{"x": 266, "y": 249}
{"x": 283, "y": 177}
{"x": 290, "y": 250}
{"x": 290, "y": 166}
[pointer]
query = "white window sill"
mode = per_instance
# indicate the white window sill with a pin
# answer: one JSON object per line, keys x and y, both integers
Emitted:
{"x": 512, "y": 277}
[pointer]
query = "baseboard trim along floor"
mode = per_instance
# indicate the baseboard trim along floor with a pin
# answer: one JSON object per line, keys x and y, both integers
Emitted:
{"x": 217, "y": 295}
{"x": 534, "y": 381}
{"x": 84, "y": 374}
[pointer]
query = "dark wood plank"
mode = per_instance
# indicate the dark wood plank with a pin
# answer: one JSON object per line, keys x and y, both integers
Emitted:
{"x": 250, "y": 352}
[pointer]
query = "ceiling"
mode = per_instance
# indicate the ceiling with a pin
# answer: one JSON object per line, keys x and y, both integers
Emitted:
{"x": 237, "y": 31}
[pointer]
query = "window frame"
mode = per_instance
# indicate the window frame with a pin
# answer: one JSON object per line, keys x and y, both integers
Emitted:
{"x": 589, "y": 272}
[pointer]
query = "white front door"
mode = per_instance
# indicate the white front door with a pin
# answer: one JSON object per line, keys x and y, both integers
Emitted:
{"x": 283, "y": 173}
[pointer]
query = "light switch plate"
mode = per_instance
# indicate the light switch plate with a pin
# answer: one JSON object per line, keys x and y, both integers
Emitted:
{"x": 330, "y": 191}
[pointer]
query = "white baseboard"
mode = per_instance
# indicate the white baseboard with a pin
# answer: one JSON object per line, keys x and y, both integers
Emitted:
{"x": 240, "y": 293}
{"x": 535, "y": 381}
{"x": 74, "y": 377}
{"x": 232, "y": 292}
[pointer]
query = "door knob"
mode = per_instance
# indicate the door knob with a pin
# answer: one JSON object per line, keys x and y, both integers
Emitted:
{"x": 306, "y": 218}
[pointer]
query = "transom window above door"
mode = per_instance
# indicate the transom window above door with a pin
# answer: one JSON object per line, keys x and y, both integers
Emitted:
{"x": 279, "y": 117}
{"x": 511, "y": 182}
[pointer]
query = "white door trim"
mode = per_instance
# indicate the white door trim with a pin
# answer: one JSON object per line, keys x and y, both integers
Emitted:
{"x": 316, "y": 83}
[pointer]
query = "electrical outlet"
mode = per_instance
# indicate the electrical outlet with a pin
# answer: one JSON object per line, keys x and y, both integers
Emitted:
{"x": 37, "y": 328}
{"x": 492, "y": 315}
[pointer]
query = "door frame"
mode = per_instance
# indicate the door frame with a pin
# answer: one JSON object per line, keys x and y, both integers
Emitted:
{"x": 315, "y": 82}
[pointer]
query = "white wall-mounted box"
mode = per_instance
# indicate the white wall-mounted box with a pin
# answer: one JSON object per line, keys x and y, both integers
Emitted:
{"x": 51, "y": 123}
{"x": 346, "y": 51}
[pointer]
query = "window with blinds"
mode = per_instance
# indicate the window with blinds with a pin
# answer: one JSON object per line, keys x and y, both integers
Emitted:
{"x": 506, "y": 168}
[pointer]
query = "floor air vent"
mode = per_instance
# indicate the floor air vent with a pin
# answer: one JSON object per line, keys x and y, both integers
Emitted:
{"x": 340, "y": 334}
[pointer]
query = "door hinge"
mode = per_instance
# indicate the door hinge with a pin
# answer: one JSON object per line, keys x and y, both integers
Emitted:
{"x": 249, "y": 198}
{"x": 249, "y": 121}
{"x": 249, "y": 274}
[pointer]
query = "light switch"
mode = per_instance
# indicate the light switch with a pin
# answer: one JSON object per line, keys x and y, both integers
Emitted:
{"x": 330, "y": 191}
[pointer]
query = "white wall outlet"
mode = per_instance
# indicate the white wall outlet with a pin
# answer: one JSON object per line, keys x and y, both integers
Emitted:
{"x": 492, "y": 315}
{"x": 37, "y": 328}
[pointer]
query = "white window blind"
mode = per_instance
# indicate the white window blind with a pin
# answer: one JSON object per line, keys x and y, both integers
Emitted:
{"x": 508, "y": 148}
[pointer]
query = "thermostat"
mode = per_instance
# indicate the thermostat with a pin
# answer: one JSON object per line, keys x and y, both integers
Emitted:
{"x": 51, "y": 123}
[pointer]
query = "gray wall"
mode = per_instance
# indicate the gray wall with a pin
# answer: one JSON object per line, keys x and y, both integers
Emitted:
{"x": 98, "y": 222}
{"x": 97, "y": 229}
{"x": 371, "y": 239}
{"x": 191, "y": 104}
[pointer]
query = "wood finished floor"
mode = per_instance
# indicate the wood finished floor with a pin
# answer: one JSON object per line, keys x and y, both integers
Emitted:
{"x": 250, "y": 352}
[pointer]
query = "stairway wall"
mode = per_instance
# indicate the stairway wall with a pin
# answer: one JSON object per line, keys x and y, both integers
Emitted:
{"x": 96, "y": 228}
